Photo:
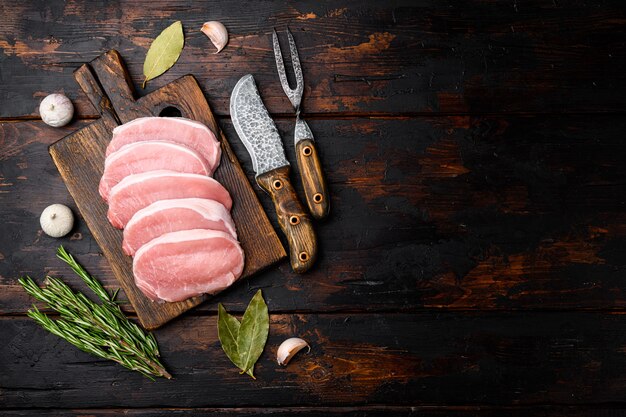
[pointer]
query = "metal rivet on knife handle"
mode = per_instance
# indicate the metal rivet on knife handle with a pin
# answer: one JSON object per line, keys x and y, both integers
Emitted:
{"x": 306, "y": 151}
{"x": 292, "y": 218}
{"x": 318, "y": 198}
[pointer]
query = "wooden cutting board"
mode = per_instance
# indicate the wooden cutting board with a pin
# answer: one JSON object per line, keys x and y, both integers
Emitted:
{"x": 80, "y": 156}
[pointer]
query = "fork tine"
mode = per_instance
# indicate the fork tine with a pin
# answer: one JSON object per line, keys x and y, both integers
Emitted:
{"x": 294, "y": 95}
{"x": 278, "y": 56}
{"x": 280, "y": 65}
{"x": 295, "y": 60}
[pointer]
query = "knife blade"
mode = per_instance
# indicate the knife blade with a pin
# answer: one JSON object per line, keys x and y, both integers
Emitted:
{"x": 257, "y": 131}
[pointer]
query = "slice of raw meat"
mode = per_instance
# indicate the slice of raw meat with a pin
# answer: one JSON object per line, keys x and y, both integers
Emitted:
{"x": 139, "y": 157}
{"x": 167, "y": 216}
{"x": 180, "y": 265}
{"x": 186, "y": 132}
{"x": 140, "y": 190}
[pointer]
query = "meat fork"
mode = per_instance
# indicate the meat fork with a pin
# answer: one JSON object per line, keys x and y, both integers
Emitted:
{"x": 308, "y": 160}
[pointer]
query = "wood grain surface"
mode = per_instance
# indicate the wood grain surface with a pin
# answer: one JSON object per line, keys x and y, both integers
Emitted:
{"x": 80, "y": 160}
{"x": 474, "y": 259}
{"x": 372, "y": 411}
{"x": 312, "y": 176}
{"x": 490, "y": 212}
{"x": 425, "y": 358}
{"x": 293, "y": 220}
{"x": 404, "y": 56}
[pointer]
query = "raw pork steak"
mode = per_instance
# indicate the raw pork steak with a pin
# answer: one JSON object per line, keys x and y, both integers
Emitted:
{"x": 186, "y": 132}
{"x": 139, "y": 157}
{"x": 167, "y": 216}
{"x": 179, "y": 265}
{"x": 140, "y": 190}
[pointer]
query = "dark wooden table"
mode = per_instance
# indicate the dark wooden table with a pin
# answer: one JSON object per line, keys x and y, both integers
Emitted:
{"x": 475, "y": 260}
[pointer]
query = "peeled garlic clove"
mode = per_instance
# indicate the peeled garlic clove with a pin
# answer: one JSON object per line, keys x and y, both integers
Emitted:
{"x": 56, "y": 110}
{"x": 289, "y": 348}
{"x": 57, "y": 220}
{"x": 217, "y": 33}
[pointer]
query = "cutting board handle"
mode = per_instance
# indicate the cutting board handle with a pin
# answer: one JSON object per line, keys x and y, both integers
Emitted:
{"x": 113, "y": 79}
{"x": 92, "y": 88}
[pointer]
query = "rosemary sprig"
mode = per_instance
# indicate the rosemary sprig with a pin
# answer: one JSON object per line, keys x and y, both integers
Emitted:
{"x": 100, "y": 329}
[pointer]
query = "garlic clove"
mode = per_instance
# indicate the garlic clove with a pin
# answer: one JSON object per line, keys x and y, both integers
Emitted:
{"x": 56, "y": 110}
{"x": 57, "y": 220}
{"x": 217, "y": 33}
{"x": 289, "y": 348}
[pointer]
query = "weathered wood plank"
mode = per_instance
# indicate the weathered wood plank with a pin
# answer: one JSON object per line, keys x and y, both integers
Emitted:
{"x": 361, "y": 57}
{"x": 485, "y": 212}
{"x": 364, "y": 411}
{"x": 428, "y": 358}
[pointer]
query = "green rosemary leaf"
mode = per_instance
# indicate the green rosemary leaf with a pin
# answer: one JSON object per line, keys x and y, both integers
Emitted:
{"x": 129, "y": 329}
{"x": 91, "y": 282}
{"x": 100, "y": 329}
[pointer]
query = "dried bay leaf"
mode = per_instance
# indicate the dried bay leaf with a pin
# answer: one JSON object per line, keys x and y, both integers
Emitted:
{"x": 227, "y": 332}
{"x": 164, "y": 51}
{"x": 253, "y": 333}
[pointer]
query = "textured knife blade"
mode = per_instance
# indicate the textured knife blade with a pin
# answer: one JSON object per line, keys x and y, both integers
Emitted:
{"x": 255, "y": 127}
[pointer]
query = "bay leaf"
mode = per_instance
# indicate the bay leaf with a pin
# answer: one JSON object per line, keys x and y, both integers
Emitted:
{"x": 253, "y": 333}
{"x": 164, "y": 51}
{"x": 227, "y": 332}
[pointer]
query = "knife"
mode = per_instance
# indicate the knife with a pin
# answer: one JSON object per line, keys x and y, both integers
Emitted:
{"x": 257, "y": 131}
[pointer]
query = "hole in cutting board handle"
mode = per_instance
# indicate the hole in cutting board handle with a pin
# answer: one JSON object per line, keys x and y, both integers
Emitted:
{"x": 170, "y": 111}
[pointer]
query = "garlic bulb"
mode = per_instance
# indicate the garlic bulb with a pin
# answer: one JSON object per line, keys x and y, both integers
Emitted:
{"x": 289, "y": 348}
{"x": 57, "y": 220}
{"x": 56, "y": 110}
{"x": 217, "y": 33}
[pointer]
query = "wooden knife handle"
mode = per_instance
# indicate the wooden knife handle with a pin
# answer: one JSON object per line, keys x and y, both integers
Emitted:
{"x": 294, "y": 221}
{"x": 312, "y": 179}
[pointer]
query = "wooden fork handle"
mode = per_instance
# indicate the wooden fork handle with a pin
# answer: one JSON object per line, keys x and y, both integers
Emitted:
{"x": 312, "y": 179}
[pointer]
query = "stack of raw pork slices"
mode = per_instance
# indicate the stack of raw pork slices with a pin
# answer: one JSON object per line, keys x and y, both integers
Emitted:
{"x": 176, "y": 217}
